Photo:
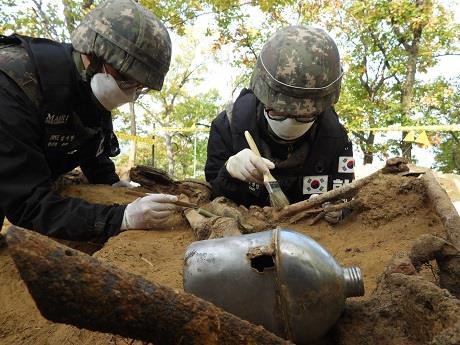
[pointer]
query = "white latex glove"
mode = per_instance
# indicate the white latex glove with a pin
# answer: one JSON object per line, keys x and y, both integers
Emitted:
{"x": 125, "y": 184}
{"x": 247, "y": 166}
{"x": 148, "y": 212}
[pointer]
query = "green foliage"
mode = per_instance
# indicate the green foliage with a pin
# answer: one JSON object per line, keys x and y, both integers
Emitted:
{"x": 385, "y": 45}
{"x": 442, "y": 101}
{"x": 74, "y": 11}
{"x": 34, "y": 19}
{"x": 178, "y": 104}
{"x": 448, "y": 154}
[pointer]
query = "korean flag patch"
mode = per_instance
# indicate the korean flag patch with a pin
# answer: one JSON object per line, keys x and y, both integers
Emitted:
{"x": 346, "y": 164}
{"x": 315, "y": 184}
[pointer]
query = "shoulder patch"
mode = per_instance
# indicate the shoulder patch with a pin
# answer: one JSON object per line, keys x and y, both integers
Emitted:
{"x": 315, "y": 184}
{"x": 346, "y": 164}
{"x": 337, "y": 183}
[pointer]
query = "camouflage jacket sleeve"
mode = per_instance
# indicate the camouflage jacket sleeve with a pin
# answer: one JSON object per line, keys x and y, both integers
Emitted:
{"x": 219, "y": 150}
{"x": 27, "y": 198}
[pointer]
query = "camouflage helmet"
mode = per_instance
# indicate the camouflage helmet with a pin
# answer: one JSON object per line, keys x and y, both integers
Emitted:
{"x": 298, "y": 71}
{"x": 130, "y": 38}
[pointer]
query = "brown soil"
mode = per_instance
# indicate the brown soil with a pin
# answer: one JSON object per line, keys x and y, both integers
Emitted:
{"x": 396, "y": 212}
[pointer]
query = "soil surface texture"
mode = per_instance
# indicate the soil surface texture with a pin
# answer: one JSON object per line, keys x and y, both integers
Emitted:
{"x": 400, "y": 306}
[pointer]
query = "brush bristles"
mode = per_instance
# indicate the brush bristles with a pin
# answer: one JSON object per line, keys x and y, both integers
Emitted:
{"x": 277, "y": 197}
{"x": 278, "y": 200}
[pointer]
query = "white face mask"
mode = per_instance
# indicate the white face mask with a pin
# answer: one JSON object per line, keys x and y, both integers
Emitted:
{"x": 288, "y": 129}
{"x": 108, "y": 93}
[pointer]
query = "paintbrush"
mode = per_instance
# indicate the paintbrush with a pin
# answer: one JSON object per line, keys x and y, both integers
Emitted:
{"x": 178, "y": 202}
{"x": 277, "y": 197}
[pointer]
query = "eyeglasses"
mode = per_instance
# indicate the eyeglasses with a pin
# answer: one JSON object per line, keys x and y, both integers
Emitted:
{"x": 272, "y": 115}
{"x": 128, "y": 84}
{"x": 125, "y": 83}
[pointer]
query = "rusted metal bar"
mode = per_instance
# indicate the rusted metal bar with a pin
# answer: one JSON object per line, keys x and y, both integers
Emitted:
{"x": 74, "y": 288}
{"x": 448, "y": 259}
{"x": 443, "y": 207}
{"x": 345, "y": 192}
{"x": 392, "y": 166}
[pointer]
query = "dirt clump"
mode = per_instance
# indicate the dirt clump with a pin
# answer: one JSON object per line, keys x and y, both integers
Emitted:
{"x": 405, "y": 309}
{"x": 389, "y": 197}
{"x": 401, "y": 306}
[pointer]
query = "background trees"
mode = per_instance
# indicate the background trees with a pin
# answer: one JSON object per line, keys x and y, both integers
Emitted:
{"x": 386, "y": 46}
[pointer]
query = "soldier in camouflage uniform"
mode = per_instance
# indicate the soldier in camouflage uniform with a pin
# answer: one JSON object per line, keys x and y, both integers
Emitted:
{"x": 55, "y": 101}
{"x": 289, "y": 111}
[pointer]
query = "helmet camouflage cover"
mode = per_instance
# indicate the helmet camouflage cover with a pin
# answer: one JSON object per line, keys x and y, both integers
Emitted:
{"x": 298, "y": 71}
{"x": 130, "y": 38}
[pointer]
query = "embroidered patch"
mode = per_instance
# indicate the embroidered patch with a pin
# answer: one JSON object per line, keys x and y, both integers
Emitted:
{"x": 254, "y": 187}
{"x": 337, "y": 183}
{"x": 315, "y": 184}
{"x": 346, "y": 164}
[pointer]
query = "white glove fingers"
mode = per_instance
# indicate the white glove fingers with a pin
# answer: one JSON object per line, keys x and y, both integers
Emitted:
{"x": 268, "y": 163}
{"x": 123, "y": 184}
{"x": 246, "y": 175}
{"x": 149, "y": 211}
{"x": 252, "y": 175}
{"x": 160, "y": 206}
{"x": 159, "y": 215}
{"x": 247, "y": 166}
{"x": 256, "y": 176}
{"x": 259, "y": 164}
{"x": 161, "y": 198}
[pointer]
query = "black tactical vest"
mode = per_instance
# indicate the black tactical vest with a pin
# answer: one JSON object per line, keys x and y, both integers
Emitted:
{"x": 321, "y": 147}
{"x": 76, "y": 127}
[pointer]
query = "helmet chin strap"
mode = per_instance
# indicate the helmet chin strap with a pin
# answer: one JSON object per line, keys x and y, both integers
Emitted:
{"x": 94, "y": 67}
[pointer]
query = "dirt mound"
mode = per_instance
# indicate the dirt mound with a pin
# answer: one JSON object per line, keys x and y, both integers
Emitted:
{"x": 400, "y": 309}
{"x": 404, "y": 310}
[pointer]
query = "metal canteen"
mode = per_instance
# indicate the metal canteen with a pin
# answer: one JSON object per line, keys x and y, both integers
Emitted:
{"x": 280, "y": 279}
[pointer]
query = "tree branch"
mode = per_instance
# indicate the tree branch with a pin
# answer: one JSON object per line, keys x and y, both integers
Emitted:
{"x": 385, "y": 57}
{"x": 48, "y": 27}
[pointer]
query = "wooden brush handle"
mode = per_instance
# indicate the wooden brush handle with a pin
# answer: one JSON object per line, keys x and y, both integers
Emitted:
{"x": 252, "y": 143}
{"x": 185, "y": 204}
{"x": 178, "y": 202}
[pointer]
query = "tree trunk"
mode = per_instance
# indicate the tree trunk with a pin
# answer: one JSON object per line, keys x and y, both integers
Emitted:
{"x": 133, "y": 131}
{"x": 169, "y": 153}
{"x": 368, "y": 154}
{"x": 368, "y": 158}
{"x": 408, "y": 86}
{"x": 406, "y": 100}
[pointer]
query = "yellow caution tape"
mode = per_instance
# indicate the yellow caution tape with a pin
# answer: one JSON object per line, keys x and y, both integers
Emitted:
{"x": 446, "y": 128}
{"x": 131, "y": 137}
{"x": 181, "y": 129}
{"x": 410, "y": 137}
